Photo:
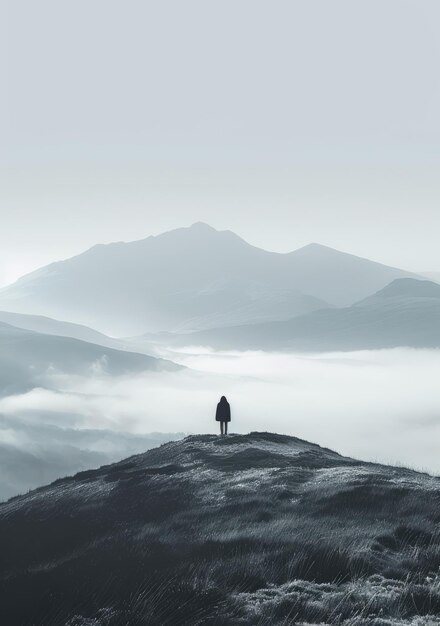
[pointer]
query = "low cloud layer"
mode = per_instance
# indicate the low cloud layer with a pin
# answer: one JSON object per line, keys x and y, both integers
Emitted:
{"x": 378, "y": 405}
{"x": 375, "y": 405}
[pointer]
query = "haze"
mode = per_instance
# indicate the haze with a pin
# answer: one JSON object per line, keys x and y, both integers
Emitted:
{"x": 287, "y": 122}
{"x": 374, "y": 405}
{"x": 283, "y": 123}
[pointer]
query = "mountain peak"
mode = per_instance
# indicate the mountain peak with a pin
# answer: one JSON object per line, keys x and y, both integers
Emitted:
{"x": 205, "y": 230}
{"x": 410, "y": 287}
{"x": 202, "y": 226}
{"x": 314, "y": 245}
{"x": 200, "y": 230}
{"x": 315, "y": 248}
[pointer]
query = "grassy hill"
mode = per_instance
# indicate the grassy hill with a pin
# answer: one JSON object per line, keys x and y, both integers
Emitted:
{"x": 246, "y": 529}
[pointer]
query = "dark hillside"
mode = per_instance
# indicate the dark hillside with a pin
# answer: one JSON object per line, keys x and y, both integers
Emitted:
{"x": 246, "y": 529}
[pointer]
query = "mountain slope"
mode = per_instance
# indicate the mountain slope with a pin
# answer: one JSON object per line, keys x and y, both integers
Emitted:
{"x": 257, "y": 529}
{"x": 190, "y": 279}
{"x": 60, "y": 450}
{"x": 26, "y": 357}
{"x": 337, "y": 277}
{"x": 405, "y": 313}
{"x": 49, "y": 326}
{"x": 404, "y": 289}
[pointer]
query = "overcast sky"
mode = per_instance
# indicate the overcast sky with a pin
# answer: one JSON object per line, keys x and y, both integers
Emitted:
{"x": 287, "y": 121}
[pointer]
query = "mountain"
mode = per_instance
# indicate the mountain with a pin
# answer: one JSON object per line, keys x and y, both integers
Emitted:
{"x": 237, "y": 530}
{"x": 404, "y": 290}
{"x": 190, "y": 279}
{"x": 337, "y": 277}
{"x": 49, "y": 326}
{"x": 404, "y": 313}
{"x": 27, "y": 357}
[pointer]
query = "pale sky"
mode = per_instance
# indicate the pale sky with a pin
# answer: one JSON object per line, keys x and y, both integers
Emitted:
{"x": 287, "y": 121}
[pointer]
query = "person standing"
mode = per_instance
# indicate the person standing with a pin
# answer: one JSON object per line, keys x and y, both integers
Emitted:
{"x": 223, "y": 415}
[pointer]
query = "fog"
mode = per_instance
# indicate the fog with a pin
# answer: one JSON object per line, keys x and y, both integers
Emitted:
{"x": 288, "y": 122}
{"x": 375, "y": 405}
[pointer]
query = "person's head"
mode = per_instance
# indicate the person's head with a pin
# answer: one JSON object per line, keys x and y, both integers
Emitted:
{"x": 223, "y": 399}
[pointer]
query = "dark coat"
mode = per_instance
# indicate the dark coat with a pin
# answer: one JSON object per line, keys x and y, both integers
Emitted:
{"x": 223, "y": 413}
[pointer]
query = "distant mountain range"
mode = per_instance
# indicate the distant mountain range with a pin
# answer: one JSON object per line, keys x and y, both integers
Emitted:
{"x": 404, "y": 313}
{"x": 26, "y": 358}
{"x": 191, "y": 279}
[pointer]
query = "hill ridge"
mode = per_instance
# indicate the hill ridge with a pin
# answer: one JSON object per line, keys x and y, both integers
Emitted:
{"x": 409, "y": 287}
{"x": 165, "y": 457}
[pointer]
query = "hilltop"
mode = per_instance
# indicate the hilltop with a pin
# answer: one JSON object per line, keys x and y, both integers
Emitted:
{"x": 246, "y": 529}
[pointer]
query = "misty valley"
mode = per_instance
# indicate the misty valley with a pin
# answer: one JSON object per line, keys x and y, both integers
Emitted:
{"x": 111, "y": 364}
{"x": 314, "y": 343}
{"x": 219, "y": 313}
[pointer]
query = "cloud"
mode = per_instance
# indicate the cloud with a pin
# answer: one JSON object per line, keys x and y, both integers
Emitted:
{"x": 375, "y": 405}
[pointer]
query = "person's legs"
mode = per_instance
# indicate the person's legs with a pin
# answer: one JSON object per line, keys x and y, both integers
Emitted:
{"x": 221, "y": 428}
{"x": 226, "y": 428}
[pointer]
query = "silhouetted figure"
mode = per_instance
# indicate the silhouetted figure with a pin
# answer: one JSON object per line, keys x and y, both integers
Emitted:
{"x": 223, "y": 415}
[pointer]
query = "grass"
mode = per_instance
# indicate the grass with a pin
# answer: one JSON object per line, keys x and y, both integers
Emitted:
{"x": 178, "y": 537}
